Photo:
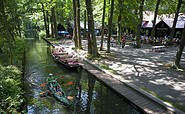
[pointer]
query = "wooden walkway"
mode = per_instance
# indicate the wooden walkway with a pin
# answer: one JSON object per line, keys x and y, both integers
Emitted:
{"x": 143, "y": 102}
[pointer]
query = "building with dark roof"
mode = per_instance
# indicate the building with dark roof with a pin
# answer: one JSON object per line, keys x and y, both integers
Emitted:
{"x": 163, "y": 25}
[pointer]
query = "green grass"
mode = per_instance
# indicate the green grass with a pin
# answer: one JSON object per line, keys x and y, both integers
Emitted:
{"x": 178, "y": 106}
{"x": 107, "y": 68}
{"x": 173, "y": 66}
{"x": 103, "y": 55}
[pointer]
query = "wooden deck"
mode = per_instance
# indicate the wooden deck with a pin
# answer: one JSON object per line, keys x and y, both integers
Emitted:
{"x": 143, "y": 102}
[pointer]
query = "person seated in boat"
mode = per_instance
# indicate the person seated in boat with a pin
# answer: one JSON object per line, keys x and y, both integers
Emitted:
{"x": 54, "y": 85}
{"x": 59, "y": 91}
{"x": 61, "y": 50}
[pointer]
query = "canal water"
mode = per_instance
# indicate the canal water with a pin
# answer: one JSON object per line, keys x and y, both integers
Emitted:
{"x": 90, "y": 96}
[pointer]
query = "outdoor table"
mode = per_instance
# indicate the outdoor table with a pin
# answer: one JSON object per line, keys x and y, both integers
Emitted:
{"x": 158, "y": 48}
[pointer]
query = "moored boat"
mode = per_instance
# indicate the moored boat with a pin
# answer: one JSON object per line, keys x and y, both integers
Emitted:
{"x": 66, "y": 59}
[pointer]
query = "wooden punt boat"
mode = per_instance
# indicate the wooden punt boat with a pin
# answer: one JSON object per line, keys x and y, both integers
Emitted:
{"x": 65, "y": 58}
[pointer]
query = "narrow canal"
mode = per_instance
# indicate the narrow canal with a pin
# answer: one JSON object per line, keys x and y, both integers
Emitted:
{"x": 92, "y": 96}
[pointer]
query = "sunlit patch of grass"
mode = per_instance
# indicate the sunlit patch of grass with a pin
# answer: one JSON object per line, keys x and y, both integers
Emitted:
{"x": 107, "y": 68}
{"x": 176, "y": 105}
{"x": 90, "y": 57}
{"x": 102, "y": 55}
{"x": 173, "y": 66}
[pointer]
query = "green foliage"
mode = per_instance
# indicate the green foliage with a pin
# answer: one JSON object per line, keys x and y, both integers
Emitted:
{"x": 11, "y": 83}
{"x": 42, "y": 34}
{"x": 64, "y": 10}
{"x": 168, "y": 7}
{"x": 11, "y": 89}
{"x": 104, "y": 66}
{"x": 18, "y": 50}
{"x": 17, "y": 47}
{"x": 165, "y": 7}
{"x": 174, "y": 66}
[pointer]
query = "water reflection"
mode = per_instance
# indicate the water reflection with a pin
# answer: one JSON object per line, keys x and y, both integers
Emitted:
{"x": 91, "y": 96}
{"x": 97, "y": 99}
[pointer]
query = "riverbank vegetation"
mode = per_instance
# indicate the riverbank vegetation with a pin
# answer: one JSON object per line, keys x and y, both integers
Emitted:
{"x": 11, "y": 74}
{"x": 12, "y": 46}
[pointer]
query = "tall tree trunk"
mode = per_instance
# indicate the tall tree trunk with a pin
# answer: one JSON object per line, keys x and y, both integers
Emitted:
{"x": 45, "y": 21}
{"x": 119, "y": 29}
{"x": 54, "y": 23}
{"x": 134, "y": 31}
{"x": 180, "y": 48}
{"x": 92, "y": 39}
{"x": 18, "y": 26}
{"x": 84, "y": 32}
{"x": 75, "y": 27}
{"x": 103, "y": 25}
{"x": 138, "y": 37}
{"x": 110, "y": 26}
{"x": 175, "y": 21}
{"x": 155, "y": 16}
{"x": 78, "y": 25}
{"x": 52, "y": 26}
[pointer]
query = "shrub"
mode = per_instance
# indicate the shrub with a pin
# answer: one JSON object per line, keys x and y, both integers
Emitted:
{"x": 11, "y": 89}
{"x": 42, "y": 34}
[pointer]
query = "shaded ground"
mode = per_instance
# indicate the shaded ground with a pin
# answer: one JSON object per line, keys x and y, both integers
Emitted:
{"x": 147, "y": 70}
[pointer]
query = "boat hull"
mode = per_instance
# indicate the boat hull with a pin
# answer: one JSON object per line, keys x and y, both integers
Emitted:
{"x": 58, "y": 93}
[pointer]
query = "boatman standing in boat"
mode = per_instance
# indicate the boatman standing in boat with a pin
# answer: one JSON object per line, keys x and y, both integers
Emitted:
{"x": 51, "y": 78}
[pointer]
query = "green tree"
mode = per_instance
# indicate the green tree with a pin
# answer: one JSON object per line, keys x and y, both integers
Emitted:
{"x": 110, "y": 26}
{"x": 75, "y": 24}
{"x": 79, "y": 42}
{"x": 92, "y": 44}
{"x": 155, "y": 16}
{"x": 103, "y": 25}
{"x": 138, "y": 37}
{"x": 46, "y": 24}
{"x": 10, "y": 26}
{"x": 54, "y": 21}
{"x": 180, "y": 49}
{"x": 175, "y": 21}
{"x": 119, "y": 28}
{"x": 85, "y": 22}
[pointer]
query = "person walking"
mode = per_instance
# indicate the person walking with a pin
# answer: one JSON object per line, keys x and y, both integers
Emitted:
{"x": 123, "y": 41}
